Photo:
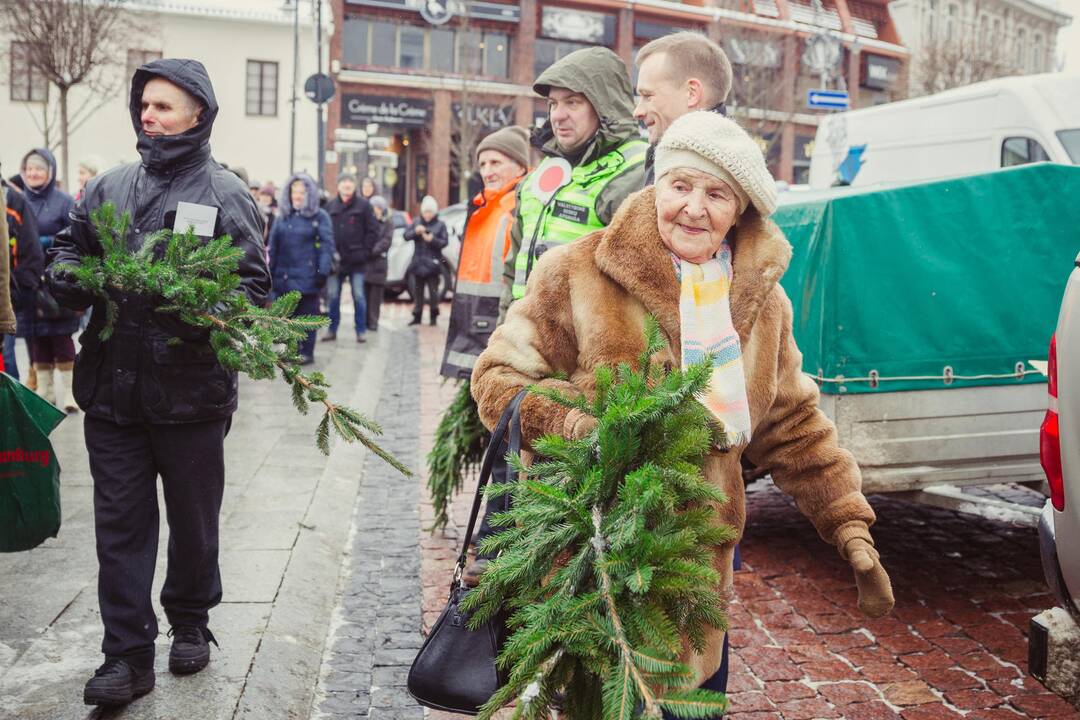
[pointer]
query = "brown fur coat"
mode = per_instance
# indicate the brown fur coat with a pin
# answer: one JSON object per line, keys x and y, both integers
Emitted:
{"x": 585, "y": 307}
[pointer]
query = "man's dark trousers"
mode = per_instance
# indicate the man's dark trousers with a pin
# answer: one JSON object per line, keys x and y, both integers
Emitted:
{"x": 125, "y": 462}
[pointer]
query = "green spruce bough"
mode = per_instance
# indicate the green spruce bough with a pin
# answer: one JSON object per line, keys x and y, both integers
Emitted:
{"x": 460, "y": 441}
{"x": 606, "y": 557}
{"x": 200, "y": 283}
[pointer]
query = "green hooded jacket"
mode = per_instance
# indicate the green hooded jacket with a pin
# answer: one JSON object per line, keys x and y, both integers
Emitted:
{"x": 600, "y": 75}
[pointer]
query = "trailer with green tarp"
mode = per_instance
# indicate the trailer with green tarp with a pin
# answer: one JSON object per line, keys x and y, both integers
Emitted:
{"x": 919, "y": 310}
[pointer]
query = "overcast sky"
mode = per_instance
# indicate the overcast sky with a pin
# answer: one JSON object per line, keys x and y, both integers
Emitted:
{"x": 1069, "y": 38}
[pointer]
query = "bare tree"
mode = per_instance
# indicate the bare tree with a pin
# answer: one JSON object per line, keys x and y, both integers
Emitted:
{"x": 758, "y": 99}
{"x": 466, "y": 134}
{"x": 72, "y": 43}
{"x": 961, "y": 55}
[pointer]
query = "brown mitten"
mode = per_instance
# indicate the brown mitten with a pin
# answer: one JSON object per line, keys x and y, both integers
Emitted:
{"x": 875, "y": 590}
{"x": 577, "y": 425}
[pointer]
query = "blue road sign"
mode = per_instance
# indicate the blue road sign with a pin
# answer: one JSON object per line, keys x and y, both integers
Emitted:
{"x": 827, "y": 99}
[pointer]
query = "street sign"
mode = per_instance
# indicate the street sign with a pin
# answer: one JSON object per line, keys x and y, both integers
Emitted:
{"x": 319, "y": 88}
{"x": 827, "y": 99}
{"x": 436, "y": 12}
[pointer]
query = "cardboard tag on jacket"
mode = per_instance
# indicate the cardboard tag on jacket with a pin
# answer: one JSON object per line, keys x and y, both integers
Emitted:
{"x": 199, "y": 218}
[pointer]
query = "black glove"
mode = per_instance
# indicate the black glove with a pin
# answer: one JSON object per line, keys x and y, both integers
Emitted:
{"x": 320, "y": 280}
{"x": 171, "y": 324}
{"x": 67, "y": 292}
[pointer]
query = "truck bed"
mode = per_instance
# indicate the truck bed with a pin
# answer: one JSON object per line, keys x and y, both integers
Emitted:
{"x": 909, "y": 441}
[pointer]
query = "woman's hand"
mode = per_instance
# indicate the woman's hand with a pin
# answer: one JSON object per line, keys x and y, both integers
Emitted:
{"x": 577, "y": 425}
{"x": 875, "y": 589}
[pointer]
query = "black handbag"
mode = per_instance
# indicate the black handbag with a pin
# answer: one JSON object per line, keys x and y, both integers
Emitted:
{"x": 455, "y": 670}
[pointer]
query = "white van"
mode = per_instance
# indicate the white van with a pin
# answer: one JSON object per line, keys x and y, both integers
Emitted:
{"x": 972, "y": 129}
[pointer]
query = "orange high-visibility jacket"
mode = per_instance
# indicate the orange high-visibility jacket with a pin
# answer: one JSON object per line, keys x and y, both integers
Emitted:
{"x": 479, "y": 285}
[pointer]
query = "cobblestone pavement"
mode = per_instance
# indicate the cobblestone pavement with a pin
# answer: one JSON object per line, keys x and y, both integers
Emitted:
{"x": 956, "y": 645}
{"x": 374, "y": 636}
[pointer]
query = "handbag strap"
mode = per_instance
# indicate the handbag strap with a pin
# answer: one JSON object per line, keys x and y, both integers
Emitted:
{"x": 509, "y": 422}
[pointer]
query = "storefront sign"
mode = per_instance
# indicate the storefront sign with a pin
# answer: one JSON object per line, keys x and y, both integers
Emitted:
{"x": 436, "y": 12}
{"x": 491, "y": 117}
{"x": 577, "y": 25}
{"x": 359, "y": 110}
{"x": 879, "y": 73}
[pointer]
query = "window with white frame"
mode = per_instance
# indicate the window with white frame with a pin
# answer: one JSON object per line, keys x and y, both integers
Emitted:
{"x": 262, "y": 88}
{"x": 26, "y": 83}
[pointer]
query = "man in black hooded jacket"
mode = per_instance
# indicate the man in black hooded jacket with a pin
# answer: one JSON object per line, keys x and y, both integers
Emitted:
{"x": 153, "y": 407}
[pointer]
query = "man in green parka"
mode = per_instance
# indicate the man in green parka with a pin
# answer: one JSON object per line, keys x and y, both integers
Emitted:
{"x": 594, "y": 159}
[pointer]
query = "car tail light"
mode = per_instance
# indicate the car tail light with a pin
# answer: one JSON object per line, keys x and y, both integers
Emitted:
{"x": 1050, "y": 435}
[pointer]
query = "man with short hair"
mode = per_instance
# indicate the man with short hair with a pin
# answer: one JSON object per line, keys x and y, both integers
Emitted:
{"x": 595, "y": 159}
{"x": 157, "y": 400}
{"x": 355, "y": 234}
{"x": 678, "y": 74}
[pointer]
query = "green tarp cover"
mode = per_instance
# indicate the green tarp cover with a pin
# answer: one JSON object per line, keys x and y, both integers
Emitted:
{"x": 965, "y": 273}
{"x": 29, "y": 471}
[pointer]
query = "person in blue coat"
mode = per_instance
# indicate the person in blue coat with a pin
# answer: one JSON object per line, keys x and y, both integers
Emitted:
{"x": 50, "y": 334}
{"x": 302, "y": 250}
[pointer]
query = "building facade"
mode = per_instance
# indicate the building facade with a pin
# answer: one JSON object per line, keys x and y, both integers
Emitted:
{"x": 417, "y": 89}
{"x": 247, "y": 48}
{"x": 957, "y": 42}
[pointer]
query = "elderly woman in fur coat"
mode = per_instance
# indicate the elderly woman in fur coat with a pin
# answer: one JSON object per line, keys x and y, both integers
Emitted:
{"x": 698, "y": 253}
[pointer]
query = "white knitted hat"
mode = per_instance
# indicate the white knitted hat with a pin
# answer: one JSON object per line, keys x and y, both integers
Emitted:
{"x": 711, "y": 143}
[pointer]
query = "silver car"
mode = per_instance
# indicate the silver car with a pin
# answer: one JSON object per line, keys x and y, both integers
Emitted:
{"x": 400, "y": 254}
{"x": 1059, "y": 450}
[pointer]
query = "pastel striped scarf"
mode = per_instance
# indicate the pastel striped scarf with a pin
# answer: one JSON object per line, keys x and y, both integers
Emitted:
{"x": 705, "y": 315}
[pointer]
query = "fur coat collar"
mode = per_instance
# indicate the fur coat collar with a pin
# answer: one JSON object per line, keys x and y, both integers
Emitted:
{"x": 631, "y": 253}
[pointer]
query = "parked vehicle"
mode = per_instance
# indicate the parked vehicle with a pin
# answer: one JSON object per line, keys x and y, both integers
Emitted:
{"x": 973, "y": 129}
{"x": 1059, "y": 450}
{"x": 400, "y": 254}
{"x": 918, "y": 310}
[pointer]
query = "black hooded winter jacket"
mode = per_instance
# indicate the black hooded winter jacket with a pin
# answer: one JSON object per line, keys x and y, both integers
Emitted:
{"x": 136, "y": 375}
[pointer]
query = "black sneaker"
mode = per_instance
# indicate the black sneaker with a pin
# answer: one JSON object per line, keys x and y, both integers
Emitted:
{"x": 414, "y": 321}
{"x": 117, "y": 683}
{"x": 190, "y": 651}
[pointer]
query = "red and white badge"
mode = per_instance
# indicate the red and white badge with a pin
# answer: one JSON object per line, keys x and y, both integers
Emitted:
{"x": 549, "y": 177}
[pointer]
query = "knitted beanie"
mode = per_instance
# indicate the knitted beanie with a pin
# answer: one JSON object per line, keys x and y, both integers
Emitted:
{"x": 429, "y": 204}
{"x": 512, "y": 141}
{"x": 713, "y": 144}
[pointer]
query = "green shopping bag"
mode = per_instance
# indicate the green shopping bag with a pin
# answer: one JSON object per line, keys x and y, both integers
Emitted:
{"x": 29, "y": 471}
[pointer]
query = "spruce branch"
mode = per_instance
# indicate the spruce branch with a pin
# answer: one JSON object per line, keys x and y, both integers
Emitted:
{"x": 460, "y": 442}
{"x": 198, "y": 282}
{"x": 605, "y": 558}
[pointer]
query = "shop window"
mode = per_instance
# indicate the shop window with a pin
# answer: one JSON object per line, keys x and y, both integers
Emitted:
{"x": 441, "y": 44}
{"x": 384, "y": 44}
{"x": 138, "y": 58}
{"x": 354, "y": 41}
{"x": 1021, "y": 151}
{"x": 496, "y": 54}
{"x": 412, "y": 48}
{"x": 262, "y": 87}
{"x": 470, "y": 53}
{"x": 27, "y": 83}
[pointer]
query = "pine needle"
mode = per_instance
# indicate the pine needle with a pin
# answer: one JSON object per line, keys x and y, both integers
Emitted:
{"x": 199, "y": 282}
{"x": 606, "y": 556}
